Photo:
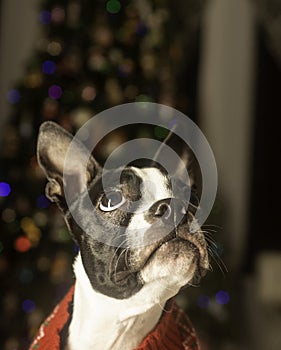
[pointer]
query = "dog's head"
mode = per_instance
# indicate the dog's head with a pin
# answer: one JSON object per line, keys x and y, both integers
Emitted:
{"x": 147, "y": 227}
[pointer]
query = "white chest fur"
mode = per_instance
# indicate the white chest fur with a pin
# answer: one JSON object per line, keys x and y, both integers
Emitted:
{"x": 100, "y": 322}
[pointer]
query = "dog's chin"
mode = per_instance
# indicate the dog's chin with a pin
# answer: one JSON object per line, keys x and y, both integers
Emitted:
{"x": 177, "y": 259}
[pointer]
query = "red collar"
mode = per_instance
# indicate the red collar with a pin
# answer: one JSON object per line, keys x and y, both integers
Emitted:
{"x": 173, "y": 332}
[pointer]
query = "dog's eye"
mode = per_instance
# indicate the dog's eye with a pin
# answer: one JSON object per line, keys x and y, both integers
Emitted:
{"x": 112, "y": 200}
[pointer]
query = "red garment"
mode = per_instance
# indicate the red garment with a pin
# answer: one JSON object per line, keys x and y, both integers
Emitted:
{"x": 173, "y": 332}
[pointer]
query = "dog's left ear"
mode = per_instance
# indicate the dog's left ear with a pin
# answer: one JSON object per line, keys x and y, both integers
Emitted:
{"x": 52, "y": 147}
{"x": 188, "y": 162}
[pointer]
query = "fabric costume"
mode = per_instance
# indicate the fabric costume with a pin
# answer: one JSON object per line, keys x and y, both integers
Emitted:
{"x": 174, "y": 330}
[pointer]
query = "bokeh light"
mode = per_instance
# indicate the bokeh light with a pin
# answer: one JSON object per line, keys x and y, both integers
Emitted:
{"x": 48, "y": 67}
{"x": 58, "y": 15}
{"x": 89, "y": 93}
{"x": 45, "y": 17}
{"x": 5, "y": 189}
{"x": 28, "y": 306}
{"x": 22, "y": 244}
{"x": 43, "y": 202}
{"x": 54, "y": 48}
{"x": 8, "y": 215}
{"x": 33, "y": 233}
{"x": 113, "y": 6}
{"x": 14, "y": 96}
{"x": 222, "y": 297}
{"x": 55, "y": 92}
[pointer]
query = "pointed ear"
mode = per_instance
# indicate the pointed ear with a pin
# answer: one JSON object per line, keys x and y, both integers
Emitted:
{"x": 187, "y": 157}
{"x": 52, "y": 147}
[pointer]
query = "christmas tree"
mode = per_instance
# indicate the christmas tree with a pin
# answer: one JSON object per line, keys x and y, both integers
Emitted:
{"x": 92, "y": 55}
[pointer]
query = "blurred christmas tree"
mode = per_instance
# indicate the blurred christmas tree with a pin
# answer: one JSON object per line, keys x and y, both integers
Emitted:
{"x": 92, "y": 55}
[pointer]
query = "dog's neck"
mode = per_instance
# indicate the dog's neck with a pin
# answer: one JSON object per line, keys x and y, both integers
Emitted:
{"x": 101, "y": 322}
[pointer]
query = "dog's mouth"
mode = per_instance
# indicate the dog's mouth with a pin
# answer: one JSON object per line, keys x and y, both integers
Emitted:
{"x": 182, "y": 245}
{"x": 179, "y": 245}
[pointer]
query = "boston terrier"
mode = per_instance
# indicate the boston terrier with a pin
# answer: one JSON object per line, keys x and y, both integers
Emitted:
{"x": 122, "y": 298}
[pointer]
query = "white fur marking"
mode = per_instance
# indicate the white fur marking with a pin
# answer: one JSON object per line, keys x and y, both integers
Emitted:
{"x": 154, "y": 188}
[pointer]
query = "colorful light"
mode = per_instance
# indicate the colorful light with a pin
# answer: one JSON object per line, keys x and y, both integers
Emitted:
{"x": 8, "y": 215}
{"x": 203, "y": 301}
{"x": 55, "y": 92}
{"x": 58, "y": 15}
{"x": 45, "y": 17}
{"x": 33, "y": 233}
{"x": 54, "y": 48}
{"x": 41, "y": 219}
{"x": 22, "y": 244}
{"x": 5, "y": 189}
{"x": 14, "y": 96}
{"x": 43, "y": 202}
{"x": 222, "y": 297}
{"x": 28, "y": 306}
{"x": 48, "y": 67}
{"x": 89, "y": 93}
{"x": 113, "y": 6}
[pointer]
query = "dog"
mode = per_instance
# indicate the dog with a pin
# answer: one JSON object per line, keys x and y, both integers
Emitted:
{"x": 122, "y": 298}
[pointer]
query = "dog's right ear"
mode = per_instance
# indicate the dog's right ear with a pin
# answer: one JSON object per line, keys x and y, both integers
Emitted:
{"x": 52, "y": 147}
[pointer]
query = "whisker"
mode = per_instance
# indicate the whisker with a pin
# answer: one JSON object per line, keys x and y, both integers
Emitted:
{"x": 212, "y": 247}
{"x": 118, "y": 259}
{"x": 218, "y": 260}
{"x": 115, "y": 254}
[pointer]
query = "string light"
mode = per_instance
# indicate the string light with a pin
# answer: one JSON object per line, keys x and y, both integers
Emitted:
{"x": 34, "y": 80}
{"x": 58, "y": 15}
{"x": 113, "y": 6}
{"x": 45, "y": 17}
{"x": 28, "y": 306}
{"x": 41, "y": 219}
{"x": 5, "y": 189}
{"x": 32, "y": 232}
{"x": 88, "y": 93}
{"x": 54, "y": 48}
{"x": 43, "y": 202}
{"x": 48, "y": 67}
{"x": 222, "y": 297}
{"x": 8, "y": 215}
{"x": 22, "y": 244}
{"x": 13, "y": 96}
{"x": 55, "y": 92}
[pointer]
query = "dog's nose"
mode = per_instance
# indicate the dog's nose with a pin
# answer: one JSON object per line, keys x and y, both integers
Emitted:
{"x": 170, "y": 210}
